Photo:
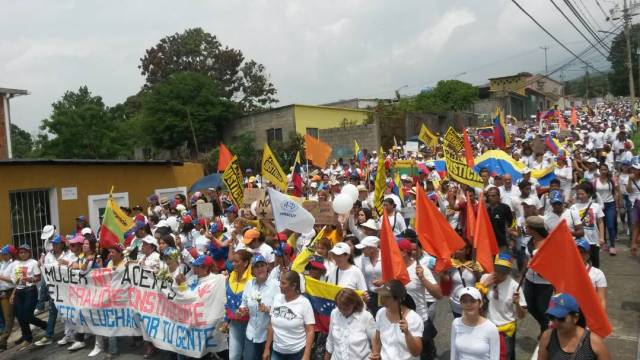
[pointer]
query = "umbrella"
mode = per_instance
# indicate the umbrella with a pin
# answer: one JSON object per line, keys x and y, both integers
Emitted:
{"x": 210, "y": 181}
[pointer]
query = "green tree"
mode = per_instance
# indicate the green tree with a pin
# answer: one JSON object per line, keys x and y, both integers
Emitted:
{"x": 186, "y": 108}
{"x": 21, "y": 143}
{"x": 619, "y": 76}
{"x": 287, "y": 150}
{"x": 82, "y": 127}
{"x": 195, "y": 50}
{"x": 448, "y": 95}
{"x": 597, "y": 85}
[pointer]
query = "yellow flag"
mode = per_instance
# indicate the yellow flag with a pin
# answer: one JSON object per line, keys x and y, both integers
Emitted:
{"x": 297, "y": 160}
{"x": 356, "y": 148}
{"x": 232, "y": 178}
{"x": 427, "y": 137}
{"x": 271, "y": 169}
{"x": 381, "y": 183}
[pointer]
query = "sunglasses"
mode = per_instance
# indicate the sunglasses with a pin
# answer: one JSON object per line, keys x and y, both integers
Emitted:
{"x": 558, "y": 319}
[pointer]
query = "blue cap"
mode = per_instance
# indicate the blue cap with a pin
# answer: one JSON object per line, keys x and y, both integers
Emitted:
{"x": 258, "y": 258}
{"x": 626, "y": 163}
{"x": 6, "y": 250}
{"x": 56, "y": 240}
{"x": 139, "y": 225}
{"x": 202, "y": 260}
{"x": 561, "y": 305}
{"x": 583, "y": 244}
{"x": 555, "y": 196}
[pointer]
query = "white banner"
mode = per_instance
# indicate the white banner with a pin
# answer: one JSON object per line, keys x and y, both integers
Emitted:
{"x": 135, "y": 301}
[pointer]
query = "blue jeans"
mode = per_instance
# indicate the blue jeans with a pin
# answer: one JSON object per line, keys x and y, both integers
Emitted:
{"x": 25, "y": 303}
{"x": 237, "y": 331}
{"x": 280, "y": 356}
{"x": 611, "y": 222}
{"x": 51, "y": 322}
{"x": 253, "y": 350}
{"x": 43, "y": 294}
{"x": 628, "y": 206}
{"x": 113, "y": 345}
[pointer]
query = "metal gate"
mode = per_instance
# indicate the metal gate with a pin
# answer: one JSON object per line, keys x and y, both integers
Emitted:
{"x": 30, "y": 212}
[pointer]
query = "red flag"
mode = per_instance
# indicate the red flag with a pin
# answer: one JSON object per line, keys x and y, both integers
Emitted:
{"x": 561, "y": 123}
{"x": 574, "y": 117}
{"x": 468, "y": 151}
{"x": 393, "y": 266}
{"x": 316, "y": 151}
{"x": 435, "y": 234}
{"x": 484, "y": 239}
{"x": 559, "y": 261}
{"x": 224, "y": 158}
{"x": 470, "y": 224}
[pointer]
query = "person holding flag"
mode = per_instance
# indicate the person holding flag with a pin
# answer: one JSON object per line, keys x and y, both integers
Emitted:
{"x": 396, "y": 220}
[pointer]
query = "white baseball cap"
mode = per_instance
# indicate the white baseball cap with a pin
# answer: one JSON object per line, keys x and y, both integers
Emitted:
{"x": 369, "y": 241}
{"x": 370, "y": 224}
{"x": 471, "y": 291}
{"x": 341, "y": 248}
{"x": 47, "y": 232}
{"x": 86, "y": 231}
{"x": 150, "y": 240}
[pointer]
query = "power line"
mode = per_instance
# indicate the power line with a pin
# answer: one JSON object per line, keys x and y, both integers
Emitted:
{"x": 574, "y": 26}
{"x": 586, "y": 10}
{"x": 606, "y": 17}
{"x": 548, "y": 33}
{"x": 586, "y": 26}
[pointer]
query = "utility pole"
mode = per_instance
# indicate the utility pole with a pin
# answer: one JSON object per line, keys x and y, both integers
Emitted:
{"x": 546, "y": 68}
{"x": 627, "y": 35}
{"x": 586, "y": 83}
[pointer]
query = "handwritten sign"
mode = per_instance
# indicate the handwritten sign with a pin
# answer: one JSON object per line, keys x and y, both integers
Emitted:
{"x": 136, "y": 301}
{"x": 251, "y": 195}
{"x": 205, "y": 210}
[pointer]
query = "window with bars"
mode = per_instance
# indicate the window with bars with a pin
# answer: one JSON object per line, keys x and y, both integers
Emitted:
{"x": 30, "y": 212}
{"x": 313, "y": 132}
{"x": 274, "y": 134}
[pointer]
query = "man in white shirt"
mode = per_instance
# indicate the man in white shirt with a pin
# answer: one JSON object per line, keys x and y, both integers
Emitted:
{"x": 508, "y": 191}
{"x": 559, "y": 213}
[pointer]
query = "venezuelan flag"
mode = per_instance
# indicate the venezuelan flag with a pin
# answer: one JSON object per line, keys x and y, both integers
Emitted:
{"x": 397, "y": 187}
{"x": 234, "y": 289}
{"x": 550, "y": 114}
{"x": 322, "y": 296}
{"x": 500, "y": 134}
{"x": 499, "y": 163}
{"x": 485, "y": 132}
{"x": 551, "y": 145}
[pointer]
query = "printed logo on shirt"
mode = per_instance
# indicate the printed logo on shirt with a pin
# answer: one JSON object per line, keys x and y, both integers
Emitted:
{"x": 284, "y": 313}
{"x": 588, "y": 221}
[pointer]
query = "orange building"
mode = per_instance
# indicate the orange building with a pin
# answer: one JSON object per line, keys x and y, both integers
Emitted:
{"x": 35, "y": 193}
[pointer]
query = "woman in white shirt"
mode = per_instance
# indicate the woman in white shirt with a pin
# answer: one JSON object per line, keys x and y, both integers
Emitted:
{"x": 343, "y": 273}
{"x": 26, "y": 275}
{"x": 371, "y": 266}
{"x": 591, "y": 216}
{"x": 257, "y": 299}
{"x": 609, "y": 200}
{"x": 398, "y": 327}
{"x": 351, "y": 328}
{"x": 564, "y": 173}
{"x": 291, "y": 329}
{"x": 596, "y": 275}
{"x": 395, "y": 218}
{"x": 473, "y": 337}
{"x": 7, "y": 254}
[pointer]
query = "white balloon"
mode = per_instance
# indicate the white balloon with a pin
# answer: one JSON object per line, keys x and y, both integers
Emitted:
{"x": 350, "y": 190}
{"x": 342, "y": 204}
{"x": 254, "y": 206}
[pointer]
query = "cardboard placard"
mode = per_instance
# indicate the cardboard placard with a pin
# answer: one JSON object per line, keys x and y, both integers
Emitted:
{"x": 251, "y": 195}
{"x": 205, "y": 210}
{"x": 322, "y": 211}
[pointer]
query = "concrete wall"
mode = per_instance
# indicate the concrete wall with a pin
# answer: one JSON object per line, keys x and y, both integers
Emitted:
{"x": 341, "y": 139}
{"x": 439, "y": 123}
{"x": 258, "y": 124}
{"x": 3, "y": 132}
{"x": 138, "y": 180}
{"x": 324, "y": 117}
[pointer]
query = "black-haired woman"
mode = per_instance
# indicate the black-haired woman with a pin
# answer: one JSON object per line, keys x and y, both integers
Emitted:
{"x": 291, "y": 330}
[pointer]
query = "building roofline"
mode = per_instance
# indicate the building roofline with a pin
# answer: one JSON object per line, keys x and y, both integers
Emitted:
{"x": 13, "y": 91}
{"x": 521, "y": 74}
{"x": 547, "y": 77}
{"x": 304, "y": 105}
{"x": 90, "y": 162}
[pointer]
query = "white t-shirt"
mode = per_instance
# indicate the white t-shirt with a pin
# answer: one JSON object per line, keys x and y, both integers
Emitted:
{"x": 605, "y": 191}
{"x": 506, "y": 196}
{"x": 288, "y": 320}
{"x": 517, "y": 204}
{"x": 480, "y": 342}
{"x": 551, "y": 219}
{"x": 28, "y": 268}
{"x": 416, "y": 289}
{"x": 396, "y": 222}
{"x": 370, "y": 271}
{"x": 7, "y": 270}
{"x": 458, "y": 285}
{"x": 590, "y": 220}
{"x": 502, "y": 310}
{"x": 634, "y": 194}
{"x": 597, "y": 277}
{"x": 394, "y": 345}
{"x": 351, "y": 278}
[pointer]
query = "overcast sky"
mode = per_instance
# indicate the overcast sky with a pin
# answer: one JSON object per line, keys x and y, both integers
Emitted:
{"x": 314, "y": 51}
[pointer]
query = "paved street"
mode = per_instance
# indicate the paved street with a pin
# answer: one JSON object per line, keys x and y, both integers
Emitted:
{"x": 622, "y": 273}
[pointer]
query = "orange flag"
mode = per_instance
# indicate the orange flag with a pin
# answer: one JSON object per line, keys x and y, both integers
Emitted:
{"x": 393, "y": 266}
{"x": 224, "y": 158}
{"x": 574, "y": 117}
{"x": 317, "y": 151}
{"x": 435, "y": 234}
{"x": 484, "y": 239}
{"x": 561, "y": 123}
{"x": 468, "y": 150}
{"x": 559, "y": 261}
{"x": 471, "y": 221}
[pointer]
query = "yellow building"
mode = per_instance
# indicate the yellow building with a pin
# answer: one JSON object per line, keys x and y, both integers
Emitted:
{"x": 504, "y": 85}
{"x": 40, "y": 192}
{"x": 275, "y": 124}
